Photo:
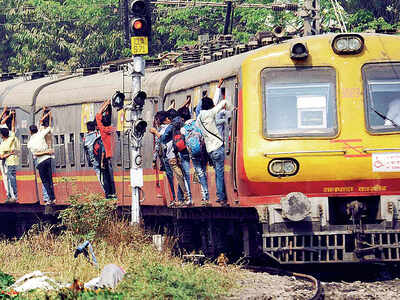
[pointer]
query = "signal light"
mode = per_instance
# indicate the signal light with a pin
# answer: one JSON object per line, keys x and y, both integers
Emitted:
{"x": 139, "y": 98}
{"x": 117, "y": 100}
{"x": 137, "y": 24}
{"x": 138, "y": 7}
{"x": 140, "y": 18}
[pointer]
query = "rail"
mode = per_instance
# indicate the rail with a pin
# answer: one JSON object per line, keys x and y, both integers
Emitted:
{"x": 318, "y": 293}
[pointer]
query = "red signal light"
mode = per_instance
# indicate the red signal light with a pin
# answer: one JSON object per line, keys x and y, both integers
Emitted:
{"x": 137, "y": 24}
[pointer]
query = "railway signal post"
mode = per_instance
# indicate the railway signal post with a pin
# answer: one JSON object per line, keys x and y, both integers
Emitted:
{"x": 140, "y": 24}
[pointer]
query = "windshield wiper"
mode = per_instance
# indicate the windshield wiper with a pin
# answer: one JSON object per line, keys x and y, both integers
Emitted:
{"x": 384, "y": 117}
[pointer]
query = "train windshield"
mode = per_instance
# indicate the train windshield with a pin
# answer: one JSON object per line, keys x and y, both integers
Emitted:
{"x": 382, "y": 96}
{"x": 299, "y": 102}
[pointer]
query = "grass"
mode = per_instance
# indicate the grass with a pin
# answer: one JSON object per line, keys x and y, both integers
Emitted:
{"x": 150, "y": 274}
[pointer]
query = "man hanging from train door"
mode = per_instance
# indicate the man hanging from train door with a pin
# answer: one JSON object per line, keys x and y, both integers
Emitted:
{"x": 9, "y": 150}
{"x": 107, "y": 133}
{"x": 4, "y": 122}
{"x": 206, "y": 121}
{"x": 92, "y": 139}
{"x": 43, "y": 154}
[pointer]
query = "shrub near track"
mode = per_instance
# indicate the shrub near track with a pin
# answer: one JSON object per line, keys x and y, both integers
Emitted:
{"x": 150, "y": 274}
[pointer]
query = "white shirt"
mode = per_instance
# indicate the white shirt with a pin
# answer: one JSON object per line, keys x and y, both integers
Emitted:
{"x": 169, "y": 153}
{"x": 37, "y": 143}
{"x": 207, "y": 123}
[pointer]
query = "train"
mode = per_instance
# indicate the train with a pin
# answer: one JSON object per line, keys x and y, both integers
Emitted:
{"x": 312, "y": 167}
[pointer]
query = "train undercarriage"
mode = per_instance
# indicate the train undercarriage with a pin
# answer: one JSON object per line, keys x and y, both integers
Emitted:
{"x": 337, "y": 230}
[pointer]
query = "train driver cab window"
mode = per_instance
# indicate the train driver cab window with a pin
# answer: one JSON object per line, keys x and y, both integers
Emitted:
{"x": 299, "y": 102}
{"x": 382, "y": 96}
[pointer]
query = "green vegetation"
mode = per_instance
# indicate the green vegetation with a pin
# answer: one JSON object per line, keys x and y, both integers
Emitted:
{"x": 69, "y": 34}
{"x": 150, "y": 274}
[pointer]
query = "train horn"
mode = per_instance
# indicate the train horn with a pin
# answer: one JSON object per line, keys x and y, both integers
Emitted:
{"x": 278, "y": 31}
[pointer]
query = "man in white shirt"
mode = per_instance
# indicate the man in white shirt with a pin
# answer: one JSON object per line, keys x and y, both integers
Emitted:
{"x": 9, "y": 150}
{"x": 206, "y": 121}
{"x": 40, "y": 149}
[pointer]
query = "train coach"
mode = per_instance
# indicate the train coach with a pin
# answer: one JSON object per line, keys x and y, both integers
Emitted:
{"x": 312, "y": 158}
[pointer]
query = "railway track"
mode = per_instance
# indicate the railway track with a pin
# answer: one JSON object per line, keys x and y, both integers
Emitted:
{"x": 318, "y": 291}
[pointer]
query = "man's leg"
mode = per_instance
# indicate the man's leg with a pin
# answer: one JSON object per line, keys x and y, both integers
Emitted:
{"x": 99, "y": 177}
{"x": 218, "y": 158}
{"x": 109, "y": 177}
{"x": 185, "y": 163}
{"x": 46, "y": 176}
{"x": 12, "y": 182}
{"x": 179, "y": 176}
{"x": 201, "y": 171}
{"x": 170, "y": 177}
{"x": 4, "y": 175}
{"x": 45, "y": 195}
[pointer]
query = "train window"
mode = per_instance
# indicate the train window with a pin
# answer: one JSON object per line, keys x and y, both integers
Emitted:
{"x": 117, "y": 150}
{"x": 71, "y": 150}
{"x": 24, "y": 151}
{"x": 82, "y": 155}
{"x": 63, "y": 163}
{"x": 299, "y": 102}
{"x": 382, "y": 96}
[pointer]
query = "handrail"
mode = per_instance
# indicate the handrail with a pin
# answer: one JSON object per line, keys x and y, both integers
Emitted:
{"x": 380, "y": 149}
{"x": 307, "y": 152}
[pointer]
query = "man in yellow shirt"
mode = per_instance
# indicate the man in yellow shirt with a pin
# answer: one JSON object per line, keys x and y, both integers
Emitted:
{"x": 9, "y": 150}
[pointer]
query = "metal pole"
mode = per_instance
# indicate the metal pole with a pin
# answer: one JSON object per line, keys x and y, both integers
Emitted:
{"x": 228, "y": 17}
{"x": 135, "y": 139}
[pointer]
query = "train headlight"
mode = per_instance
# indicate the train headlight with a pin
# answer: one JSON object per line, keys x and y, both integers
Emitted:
{"x": 299, "y": 51}
{"x": 283, "y": 167}
{"x": 348, "y": 44}
{"x": 295, "y": 206}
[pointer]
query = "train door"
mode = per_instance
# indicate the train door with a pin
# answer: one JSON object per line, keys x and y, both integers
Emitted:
{"x": 230, "y": 142}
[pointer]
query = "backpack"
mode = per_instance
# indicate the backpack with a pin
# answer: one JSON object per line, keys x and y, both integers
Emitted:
{"x": 178, "y": 141}
{"x": 194, "y": 140}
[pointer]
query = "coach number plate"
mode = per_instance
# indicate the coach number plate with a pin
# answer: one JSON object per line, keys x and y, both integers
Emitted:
{"x": 140, "y": 45}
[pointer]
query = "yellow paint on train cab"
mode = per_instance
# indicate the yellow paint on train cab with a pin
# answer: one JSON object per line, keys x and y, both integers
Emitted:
{"x": 87, "y": 114}
{"x": 352, "y": 134}
{"x": 196, "y": 96}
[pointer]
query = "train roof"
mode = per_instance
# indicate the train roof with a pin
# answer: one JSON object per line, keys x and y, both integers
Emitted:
{"x": 206, "y": 73}
{"x": 65, "y": 89}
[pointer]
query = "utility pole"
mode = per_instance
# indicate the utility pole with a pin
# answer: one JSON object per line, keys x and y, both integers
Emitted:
{"x": 311, "y": 17}
{"x": 140, "y": 24}
{"x": 125, "y": 19}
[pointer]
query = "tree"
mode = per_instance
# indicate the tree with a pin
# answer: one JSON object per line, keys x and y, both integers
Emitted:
{"x": 67, "y": 34}
{"x": 387, "y": 9}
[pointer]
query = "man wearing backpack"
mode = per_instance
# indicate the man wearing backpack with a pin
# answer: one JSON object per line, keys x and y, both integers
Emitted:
{"x": 206, "y": 121}
{"x": 91, "y": 141}
{"x": 195, "y": 145}
{"x": 107, "y": 132}
{"x": 165, "y": 134}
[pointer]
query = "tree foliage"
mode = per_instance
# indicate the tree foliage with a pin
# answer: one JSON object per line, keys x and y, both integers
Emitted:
{"x": 69, "y": 34}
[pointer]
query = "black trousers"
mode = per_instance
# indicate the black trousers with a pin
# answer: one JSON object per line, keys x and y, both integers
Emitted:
{"x": 46, "y": 176}
{"x": 108, "y": 178}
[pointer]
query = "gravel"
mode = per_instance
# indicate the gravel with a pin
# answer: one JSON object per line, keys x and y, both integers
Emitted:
{"x": 256, "y": 286}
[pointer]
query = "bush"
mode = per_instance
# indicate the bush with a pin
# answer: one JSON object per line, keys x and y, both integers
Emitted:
{"x": 86, "y": 214}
